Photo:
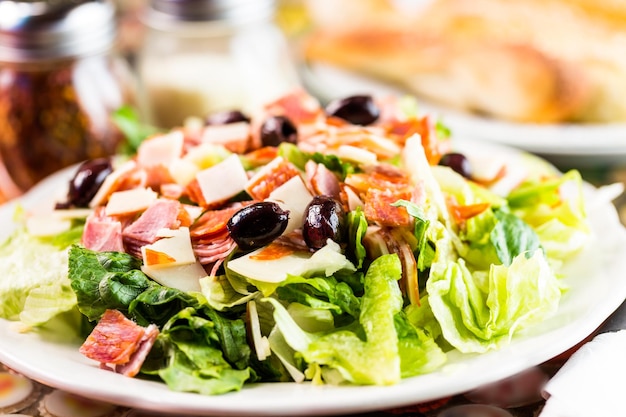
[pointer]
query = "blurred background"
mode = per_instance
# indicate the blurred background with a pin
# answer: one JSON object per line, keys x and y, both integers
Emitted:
{"x": 545, "y": 76}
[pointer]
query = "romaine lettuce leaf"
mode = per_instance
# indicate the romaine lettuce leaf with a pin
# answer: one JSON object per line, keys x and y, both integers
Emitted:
{"x": 103, "y": 280}
{"x": 385, "y": 348}
{"x": 221, "y": 294}
{"x": 324, "y": 293}
{"x": 196, "y": 351}
{"x": 357, "y": 226}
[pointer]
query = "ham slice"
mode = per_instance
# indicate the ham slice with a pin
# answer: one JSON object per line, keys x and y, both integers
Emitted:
{"x": 322, "y": 180}
{"x": 102, "y": 233}
{"x": 210, "y": 238}
{"x": 162, "y": 214}
{"x": 118, "y": 341}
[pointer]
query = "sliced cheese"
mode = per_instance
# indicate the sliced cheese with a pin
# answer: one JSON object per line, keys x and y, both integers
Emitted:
{"x": 183, "y": 171}
{"x": 327, "y": 261}
{"x": 50, "y": 223}
{"x": 224, "y": 134}
{"x": 356, "y": 154}
{"x": 294, "y": 197}
{"x": 174, "y": 248}
{"x": 130, "y": 201}
{"x": 222, "y": 181}
{"x": 47, "y": 225}
{"x": 273, "y": 270}
{"x": 182, "y": 277}
{"x": 161, "y": 150}
{"x": 110, "y": 181}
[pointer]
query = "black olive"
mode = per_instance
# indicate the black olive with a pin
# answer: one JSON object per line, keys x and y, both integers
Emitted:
{"x": 257, "y": 225}
{"x": 86, "y": 182}
{"x": 358, "y": 110}
{"x": 458, "y": 162}
{"x": 226, "y": 117}
{"x": 278, "y": 129}
{"x": 323, "y": 220}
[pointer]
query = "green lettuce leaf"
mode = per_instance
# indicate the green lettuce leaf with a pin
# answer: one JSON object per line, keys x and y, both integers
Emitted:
{"x": 419, "y": 354}
{"x": 221, "y": 295}
{"x": 193, "y": 346}
{"x": 357, "y": 227}
{"x": 555, "y": 208}
{"x": 425, "y": 252}
{"x": 376, "y": 359}
{"x": 127, "y": 119}
{"x": 519, "y": 295}
{"x": 299, "y": 158}
{"x": 34, "y": 286}
{"x": 497, "y": 237}
{"x": 326, "y": 293}
{"x": 103, "y": 280}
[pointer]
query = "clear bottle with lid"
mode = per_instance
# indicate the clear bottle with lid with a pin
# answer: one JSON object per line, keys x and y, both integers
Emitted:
{"x": 201, "y": 56}
{"x": 60, "y": 82}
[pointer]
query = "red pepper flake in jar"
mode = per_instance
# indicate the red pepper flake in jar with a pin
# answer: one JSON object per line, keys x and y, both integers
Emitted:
{"x": 59, "y": 85}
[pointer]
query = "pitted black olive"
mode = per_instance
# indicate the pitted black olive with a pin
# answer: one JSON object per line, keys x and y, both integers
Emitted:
{"x": 458, "y": 162}
{"x": 257, "y": 225}
{"x": 278, "y": 129}
{"x": 86, "y": 182}
{"x": 323, "y": 220}
{"x": 226, "y": 117}
{"x": 358, "y": 110}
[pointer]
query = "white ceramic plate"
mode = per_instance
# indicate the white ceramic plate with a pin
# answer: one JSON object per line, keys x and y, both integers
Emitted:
{"x": 564, "y": 144}
{"x": 596, "y": 284}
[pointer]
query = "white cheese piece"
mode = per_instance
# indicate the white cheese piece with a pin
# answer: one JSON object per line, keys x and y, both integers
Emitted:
{"x": 268, "y": 270}
{"x": 486, "y": 168}
{"x": 50, "y": 223}
{"x": 47, "y": 225}
{"x": 356, "y": 154}
{"x": 130, "y": 201}
{"x": 222, "y": 181}
{"x": 73, "y": 213}
{"x": 193, "y": 211}
{"x": 161, "y": 150}
{"x": 174, "y": 248}
{"x": 110, "y": 181}
{"x": 382, "y": 145}
{"x": 182, "y": 277}
{"x": 183, "y": 171}
{"x": 327, "y": 260}
{"x": 223, "y": 134}
{"x": 294, "y": 197}
{"x": 206, "y": 155}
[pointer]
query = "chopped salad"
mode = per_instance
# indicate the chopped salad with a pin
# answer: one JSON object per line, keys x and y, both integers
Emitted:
{"x": 347, "y": 243}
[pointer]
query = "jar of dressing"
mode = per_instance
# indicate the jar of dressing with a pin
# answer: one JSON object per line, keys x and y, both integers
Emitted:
{"x": 202, "y": 56}
{"x": 60, "y": 82}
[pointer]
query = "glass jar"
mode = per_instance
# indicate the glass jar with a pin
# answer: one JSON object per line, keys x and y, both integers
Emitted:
{"x": 202, "y": 56}
{"x": 60, "y": 82}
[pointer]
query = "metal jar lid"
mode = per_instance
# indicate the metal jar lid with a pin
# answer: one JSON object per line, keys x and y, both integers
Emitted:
{"x": 33, "y": 31}
{"x": 167, "y": 13}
